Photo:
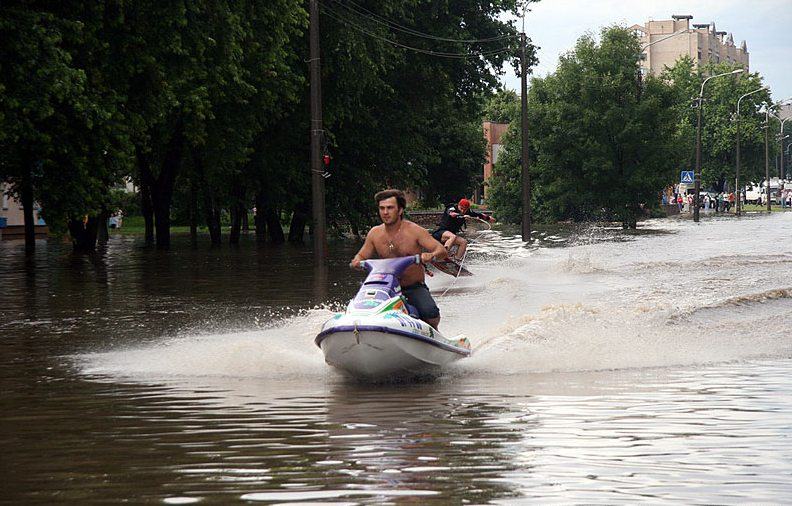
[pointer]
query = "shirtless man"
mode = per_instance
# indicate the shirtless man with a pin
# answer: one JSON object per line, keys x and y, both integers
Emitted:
{"x": 397, "y": 237}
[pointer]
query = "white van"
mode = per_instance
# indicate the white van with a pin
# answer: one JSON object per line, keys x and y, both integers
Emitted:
{"x": 752, "y": 193}
{"x": 773, "y": 191}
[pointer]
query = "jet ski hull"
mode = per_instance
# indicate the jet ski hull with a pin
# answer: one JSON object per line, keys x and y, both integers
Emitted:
{"x": 377, "y": 352}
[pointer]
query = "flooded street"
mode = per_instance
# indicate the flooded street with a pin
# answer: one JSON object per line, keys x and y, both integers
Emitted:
{"x": 607, "y": 368}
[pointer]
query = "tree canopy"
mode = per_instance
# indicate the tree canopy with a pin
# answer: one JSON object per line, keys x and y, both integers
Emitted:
{"x": 204, "y": 106}
{"x": 603, "y": 140}
{"x": 718, "y": 125}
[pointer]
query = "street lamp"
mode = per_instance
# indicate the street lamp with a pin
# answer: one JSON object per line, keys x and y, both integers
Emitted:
{"x": 782, "y": 121}
{"x": 697, "y": 178}
{"x": 642, "y": 56}
{"x": 781, "y": 173}
{"x": 767, "y": 155}
{"x": 737, "y": 171}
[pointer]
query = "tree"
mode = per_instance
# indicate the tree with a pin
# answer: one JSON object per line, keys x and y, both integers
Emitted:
{"x": 602, "y": 143}
{"x": 407, "y": 117}
{"x": 62, "y": 141}
{"x": 718, "y": 135}
{"x": 503, "y": 107}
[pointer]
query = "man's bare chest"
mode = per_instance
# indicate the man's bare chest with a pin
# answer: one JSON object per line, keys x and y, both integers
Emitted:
{"x": 388, "y": 247}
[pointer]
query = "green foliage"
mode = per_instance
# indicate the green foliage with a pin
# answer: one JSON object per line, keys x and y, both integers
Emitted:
{"x": 210, "y": 99}
{"x": 719, "y": 128}
{"x": 503, "y": 107}
{"x": 602, "y": 143}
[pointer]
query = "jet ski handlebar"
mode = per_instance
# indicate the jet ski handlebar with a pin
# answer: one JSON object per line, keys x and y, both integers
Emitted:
{"x": 394, "y": 266}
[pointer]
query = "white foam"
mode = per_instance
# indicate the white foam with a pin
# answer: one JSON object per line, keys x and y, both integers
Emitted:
{"x": 598, "y": 305}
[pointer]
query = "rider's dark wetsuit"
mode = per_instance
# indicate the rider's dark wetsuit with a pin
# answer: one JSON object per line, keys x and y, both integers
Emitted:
{"x": 453, "y": 220}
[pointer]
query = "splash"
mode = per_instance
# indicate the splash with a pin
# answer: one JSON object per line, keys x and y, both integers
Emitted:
{"x": 282, "y": 351}
{"x": 642, "y": 301}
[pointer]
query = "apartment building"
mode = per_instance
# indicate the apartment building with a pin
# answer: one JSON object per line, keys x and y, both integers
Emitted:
{"x": 702, "y": 42}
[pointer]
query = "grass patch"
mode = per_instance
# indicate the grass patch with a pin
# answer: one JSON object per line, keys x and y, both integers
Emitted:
{"x": 753, "y": 208}
{"x": 135, "y": 225}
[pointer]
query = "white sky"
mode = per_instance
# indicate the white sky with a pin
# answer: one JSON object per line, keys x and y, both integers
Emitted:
{"x": 765, "y": 25}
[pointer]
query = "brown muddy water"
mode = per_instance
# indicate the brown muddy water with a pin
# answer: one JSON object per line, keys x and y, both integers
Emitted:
{"x": 653, "y": 367}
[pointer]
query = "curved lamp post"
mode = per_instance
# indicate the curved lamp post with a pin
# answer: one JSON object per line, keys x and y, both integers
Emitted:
{"x": 737, "y": 171}
{"x": 697, "y": 184}
{"x": 781, "y": 135}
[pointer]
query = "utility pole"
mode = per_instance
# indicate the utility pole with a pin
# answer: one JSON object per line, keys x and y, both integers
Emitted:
{"x": 526, "y": 176}
{"x": 697, "y": 175}
{"x": 317, "y": 137}
{"x": 767, "y": 156}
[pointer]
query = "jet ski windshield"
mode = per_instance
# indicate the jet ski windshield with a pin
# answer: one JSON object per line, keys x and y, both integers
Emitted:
{"x": 382, "y": 282}
{"x": 393, "y": 266}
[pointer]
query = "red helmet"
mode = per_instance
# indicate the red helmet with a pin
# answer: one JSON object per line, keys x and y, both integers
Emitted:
{"x": 464, "y": 203}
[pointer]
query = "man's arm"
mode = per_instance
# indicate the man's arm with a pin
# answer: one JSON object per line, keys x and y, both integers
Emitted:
{"x": 366, "y": 251}
{"x": 481, "y": 216}
{"x": 434, "y": 248}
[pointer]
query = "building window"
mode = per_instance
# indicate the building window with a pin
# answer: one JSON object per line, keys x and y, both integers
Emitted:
{"x": 5, "y": 201}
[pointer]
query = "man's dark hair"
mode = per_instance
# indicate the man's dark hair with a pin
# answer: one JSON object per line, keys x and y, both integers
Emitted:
{"x": 401, "y": 201}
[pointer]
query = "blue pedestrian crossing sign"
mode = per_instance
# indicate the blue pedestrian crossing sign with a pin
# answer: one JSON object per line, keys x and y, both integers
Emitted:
{"x": 686, "y": 176}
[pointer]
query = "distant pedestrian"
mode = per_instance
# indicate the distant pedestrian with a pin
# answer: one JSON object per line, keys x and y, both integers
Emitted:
{"x": 732, "y": 199}
{"x": 679, "y": 203}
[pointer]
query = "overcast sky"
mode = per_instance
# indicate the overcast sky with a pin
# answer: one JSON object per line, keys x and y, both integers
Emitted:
{"x": 765, "y": 25}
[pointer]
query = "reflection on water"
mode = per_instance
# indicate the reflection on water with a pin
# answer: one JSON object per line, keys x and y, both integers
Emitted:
{"x": 605, "y": 371}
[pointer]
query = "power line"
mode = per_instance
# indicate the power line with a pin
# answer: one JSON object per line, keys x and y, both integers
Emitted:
{"x": 373, "y": 16}
{"x": 442, "y": 54}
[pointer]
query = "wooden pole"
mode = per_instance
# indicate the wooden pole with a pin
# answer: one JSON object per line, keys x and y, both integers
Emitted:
{"x": 526, "y": 176}
{"x": 317, "y": 136}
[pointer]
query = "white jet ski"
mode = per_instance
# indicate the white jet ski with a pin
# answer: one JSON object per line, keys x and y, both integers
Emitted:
{"x": 380, "y": 336}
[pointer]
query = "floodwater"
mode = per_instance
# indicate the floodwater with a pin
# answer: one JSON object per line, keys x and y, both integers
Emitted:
{"x": 608, "y": 368}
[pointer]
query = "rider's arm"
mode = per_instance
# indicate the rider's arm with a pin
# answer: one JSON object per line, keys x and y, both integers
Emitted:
{"x": 434, "y": 249}
{"x": 481, "y": 216}
{"x": 365, "y": 252}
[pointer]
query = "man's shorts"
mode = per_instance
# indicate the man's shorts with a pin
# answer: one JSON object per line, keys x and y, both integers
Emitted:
{"x": 438, "y": 234}
{"x": 418, "y": 295}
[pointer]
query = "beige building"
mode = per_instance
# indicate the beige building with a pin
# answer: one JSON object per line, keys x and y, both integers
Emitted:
{"x": 12, "y": 218}
{"x": 492, "y": 133}
{"x": 702, "y": 42}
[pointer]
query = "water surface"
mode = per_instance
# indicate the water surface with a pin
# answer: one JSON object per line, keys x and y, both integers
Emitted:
{"x": 608, "y": 368}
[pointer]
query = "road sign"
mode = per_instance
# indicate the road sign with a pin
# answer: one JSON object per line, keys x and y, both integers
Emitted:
{"x": 686, "y": 177}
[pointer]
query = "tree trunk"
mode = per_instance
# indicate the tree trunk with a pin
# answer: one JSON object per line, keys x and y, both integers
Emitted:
{"x": 161, "y": 187}
{"x": 148, "y": 211}
{"x": 212, "y": 216}
{"x": 274, "y": 226}
{"x": 245, "y": 218}
{"x": 26, "y": 195}
{"x": 236, "y": 216}
{"x": 83, "y": 234}
{"x": 259, "y": 219}
{"x": 193, "y": 211}
{"x": 101, "y": 227}
{"x": 298, "y": 222}
{"x": 146, "y": 180}
{"x": 236, "y": 224}
{"x": 162, "y": 218}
